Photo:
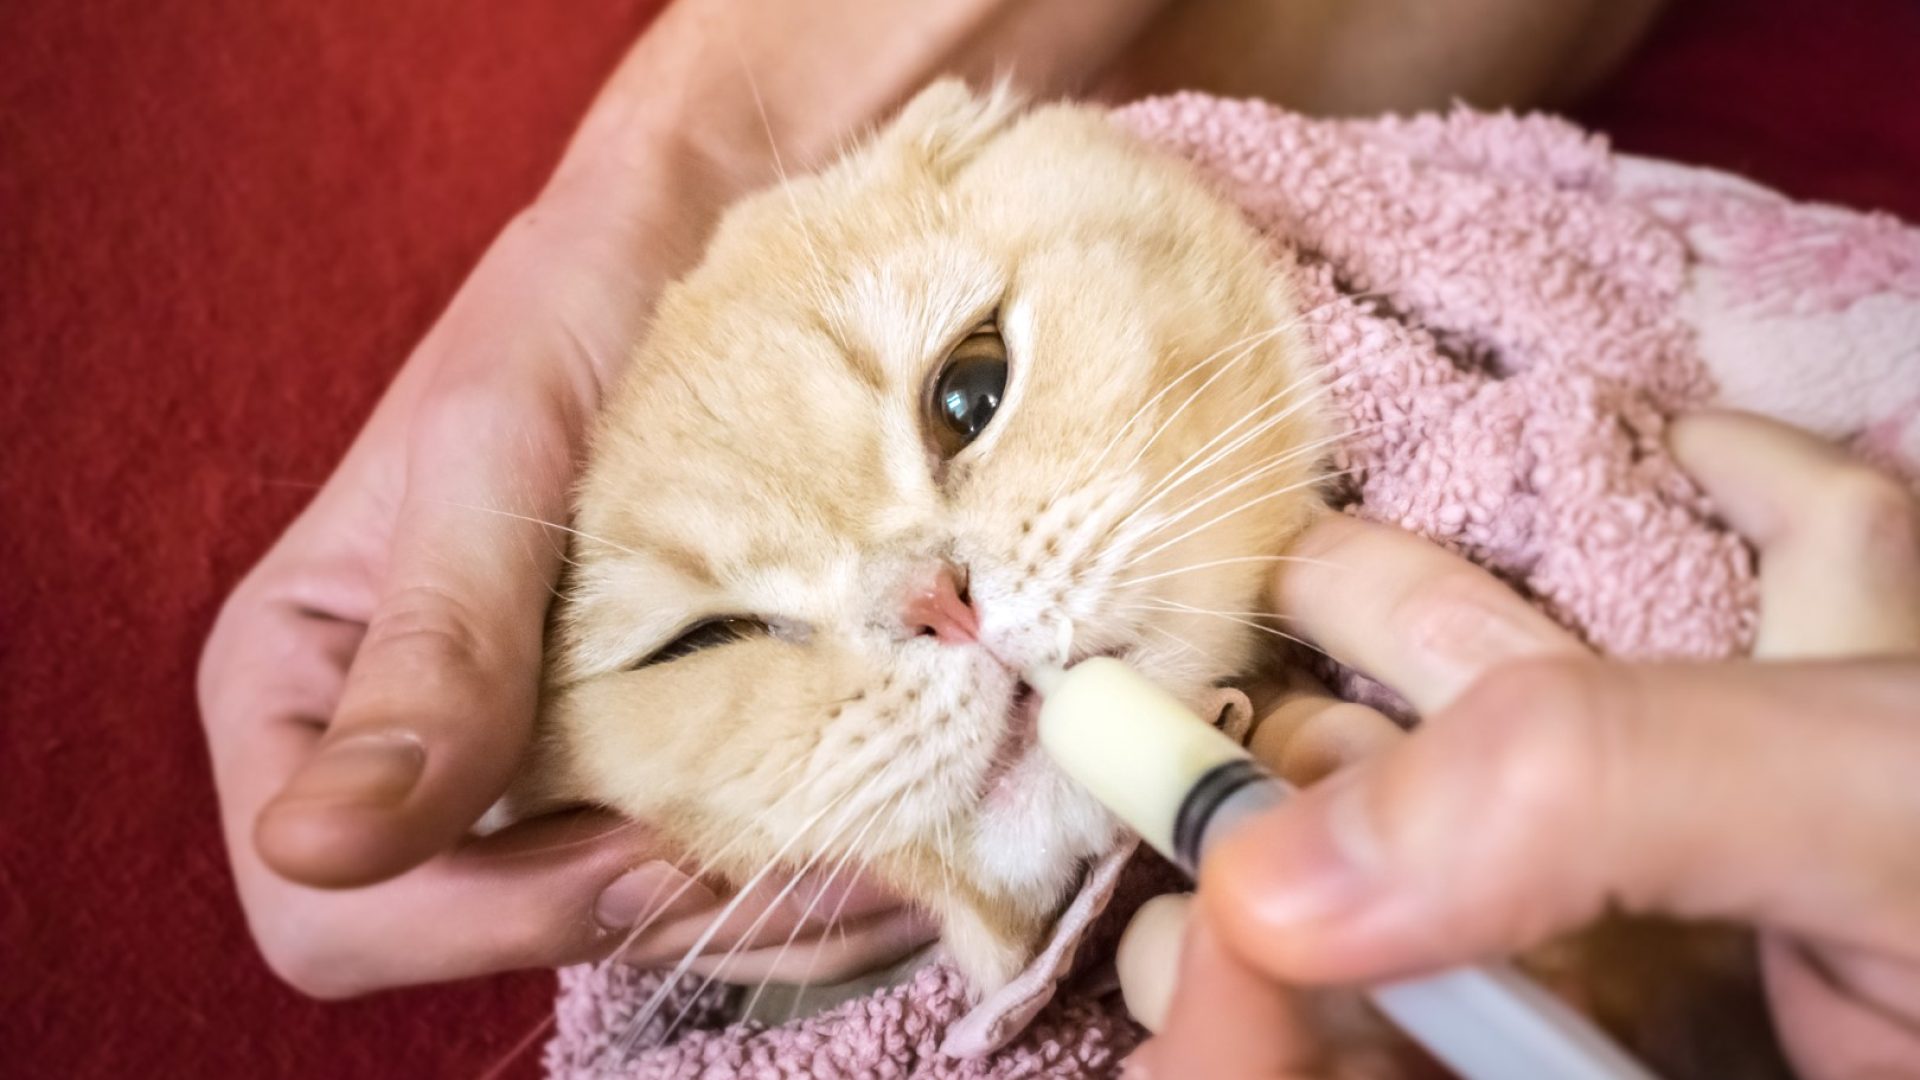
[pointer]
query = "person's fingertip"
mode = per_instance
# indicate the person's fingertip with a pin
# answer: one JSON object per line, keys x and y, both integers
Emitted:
{"x": 655, "y": 893}
{"x": 1148, "y": 957}
{"x": 1754, "y": 469}
{"x": 1696, "y": 434}
{"x": 333, "y": 845}
{"x": 374, "y": 769}
{"x": 331, "y": 826}
{"x": 1296, "y": 877}
{"x": 1340, "y": 735}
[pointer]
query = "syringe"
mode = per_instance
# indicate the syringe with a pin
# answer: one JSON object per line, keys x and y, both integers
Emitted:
{"x": 1182, "y": 785}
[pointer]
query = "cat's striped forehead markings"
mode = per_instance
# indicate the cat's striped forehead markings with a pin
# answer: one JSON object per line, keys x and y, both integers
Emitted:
{"x": 864, "y": 365}
{"x": 689, "y": 562}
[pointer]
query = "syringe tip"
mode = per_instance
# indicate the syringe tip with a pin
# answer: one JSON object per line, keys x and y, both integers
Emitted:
{"x": 1045, "y": 678}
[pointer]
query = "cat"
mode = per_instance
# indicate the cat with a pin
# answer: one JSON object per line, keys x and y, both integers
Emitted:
{"x": 1000, "y": 387}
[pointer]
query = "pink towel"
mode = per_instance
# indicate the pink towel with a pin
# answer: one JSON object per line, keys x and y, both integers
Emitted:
{"x": 1508, "y": 312}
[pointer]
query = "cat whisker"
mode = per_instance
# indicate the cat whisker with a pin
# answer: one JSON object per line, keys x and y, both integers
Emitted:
{"x": 780, "y": 167}
{"x": 558, "y": 551}
{"x": 779, "y": 899}
{"x": 564, "y": 845}
{"x": 1247, "y": 350}
{"x": 1251, "y": 343}
{"x": 1198, "y": 470}
{"x": 1235, "y": 617}
{"x": 832, "y": 925}
{"x": 1253, "y": 471}
{"x": 948, "y": 849}
{"x": 1189, "y": 471}
{"x": 653, "y": 911}
{"x": 1191, "y": 370}
{"x": 1195, "y": 567}
{"x": 833, "y": 875}
{"x": 1260, "y": 467}
{"x": 520, "y": 1046}
{"x": 1218, "y": 518}
{"x": 658, "y": 998}
{"x": 1158, "y": 603}
{"x": 1231, "y": 484}
{"x": 1189, "y": 467}
{"x": 1199, "y": 663}
{"x": 540, "y": 521}
{"x": 623, "y": 1047}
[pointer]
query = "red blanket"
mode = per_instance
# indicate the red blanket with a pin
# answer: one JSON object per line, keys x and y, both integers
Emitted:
{"x": 225, "y": 223}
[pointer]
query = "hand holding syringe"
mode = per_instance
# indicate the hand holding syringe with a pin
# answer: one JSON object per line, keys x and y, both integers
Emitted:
{"x": 1183, "y": 786}
{"x": 1777, "y": 794}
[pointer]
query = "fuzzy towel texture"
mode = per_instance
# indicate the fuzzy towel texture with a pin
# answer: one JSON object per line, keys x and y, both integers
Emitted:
{"x": 1507, "y": 313}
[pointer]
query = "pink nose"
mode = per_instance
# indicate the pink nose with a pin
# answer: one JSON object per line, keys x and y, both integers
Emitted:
{"x": 937, "y": 607}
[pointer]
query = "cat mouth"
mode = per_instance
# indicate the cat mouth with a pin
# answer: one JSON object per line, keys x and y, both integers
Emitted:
{"x": 1017, "y": 741}
{"x": 1021, "y": 736}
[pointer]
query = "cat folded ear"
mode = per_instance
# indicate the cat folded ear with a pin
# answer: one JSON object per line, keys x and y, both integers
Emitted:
{"x": 947, "y": 124}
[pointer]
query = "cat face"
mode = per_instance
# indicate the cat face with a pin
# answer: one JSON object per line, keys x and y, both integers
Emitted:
{"x": 994, "y": 390}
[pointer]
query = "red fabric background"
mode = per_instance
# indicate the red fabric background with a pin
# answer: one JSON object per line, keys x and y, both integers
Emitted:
{"x": 225, "y": 223}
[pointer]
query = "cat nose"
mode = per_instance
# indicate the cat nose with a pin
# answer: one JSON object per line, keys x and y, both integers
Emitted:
{"x": 937, "y": 606}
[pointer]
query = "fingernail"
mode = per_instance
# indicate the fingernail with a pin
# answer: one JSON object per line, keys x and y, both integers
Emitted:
{"x": 654, "y": 893}
{"x": 363, "y": 770}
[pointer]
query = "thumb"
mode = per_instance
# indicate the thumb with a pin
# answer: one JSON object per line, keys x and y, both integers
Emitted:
{"x": 1552, "y": 791}
{"x": 440, "y": 699}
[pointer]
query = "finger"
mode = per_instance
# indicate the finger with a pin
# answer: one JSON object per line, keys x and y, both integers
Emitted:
{"x": 1228, "y": 1019}
{"x": 1307, "y": 734}
{"x": 554, "y": 891}
{"x": 439, "y": 702}
{"x": 827, "y": 955}
{"x": 1831, "y": 1029}
{"x": 1551, "y": 791}
{"x": 529, "y": 896}
{"x": 272, "y": 673}
{"x": 1839, "y": 542}
{"x": 1148, "y": 959}
{"x": 773, "y": 911}
{"x": 547, "y": 892}
{"x": 1424, "y": 621}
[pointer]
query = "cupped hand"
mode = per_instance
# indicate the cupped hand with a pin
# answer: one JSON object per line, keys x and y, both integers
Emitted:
{"x": 1546, "y": 787}
{"x": 369, "y": 688}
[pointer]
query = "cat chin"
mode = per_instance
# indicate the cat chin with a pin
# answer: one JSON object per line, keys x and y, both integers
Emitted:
{"x": 1034, "y": 837}
{"x": 1027, "y": 868}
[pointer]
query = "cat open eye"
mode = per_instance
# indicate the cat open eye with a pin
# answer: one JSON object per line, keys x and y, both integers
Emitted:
{"x": 967, "y": 389}
{"x": 705, "y": 635}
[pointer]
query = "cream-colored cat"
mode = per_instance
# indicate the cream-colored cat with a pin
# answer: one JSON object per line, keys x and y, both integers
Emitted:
{"x": 997, "y": 382}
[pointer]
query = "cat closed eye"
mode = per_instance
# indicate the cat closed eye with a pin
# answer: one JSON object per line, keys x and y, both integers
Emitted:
{"x": 967, "y": 390}
{"x": 705, "y": 635}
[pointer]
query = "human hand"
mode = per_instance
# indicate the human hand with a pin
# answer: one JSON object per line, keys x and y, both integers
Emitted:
{"x": 370, "y": 687}
{"x": 1777, "y": 794}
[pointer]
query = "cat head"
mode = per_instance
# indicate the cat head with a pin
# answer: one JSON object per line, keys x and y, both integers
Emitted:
{"x": 998, "y": 388}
